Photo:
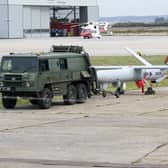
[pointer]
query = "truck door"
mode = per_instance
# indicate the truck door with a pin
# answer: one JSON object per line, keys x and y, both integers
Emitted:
{"x": 64, "y": 73}
{"x": 54, "y": 69}
{"x": 44, "y": 73}
{"x": 56, "y": 76}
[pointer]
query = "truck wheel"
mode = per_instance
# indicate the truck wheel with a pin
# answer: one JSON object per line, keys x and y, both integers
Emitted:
{"x": 45, "y": 99}
{"x": 71, "y": 96}
{"x": 121, "y": 91}
{"x": 9, "y": 101}
{"x": 33, "y": 101}
{"x": 82, "y": 93}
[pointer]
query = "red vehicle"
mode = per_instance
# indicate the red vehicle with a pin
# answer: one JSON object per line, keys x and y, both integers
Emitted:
{"x": 63, "y": 29}
{"x": 86, "y": 33}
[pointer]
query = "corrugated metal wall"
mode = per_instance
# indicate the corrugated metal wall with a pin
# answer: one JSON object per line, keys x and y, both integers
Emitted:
{"x": 15, "y": 21}
{"x": 54, "y": 2}
{"x": 4, "y": 20}
{"x": 11, "y": 22}
{"x": 36, "y": 21}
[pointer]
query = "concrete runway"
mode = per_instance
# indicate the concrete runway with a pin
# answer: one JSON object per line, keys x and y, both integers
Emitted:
{"x": 106, "y": 46}
{"x": 129, "y": 132}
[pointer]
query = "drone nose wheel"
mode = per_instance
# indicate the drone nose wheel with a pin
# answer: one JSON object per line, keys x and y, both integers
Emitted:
{"x": 150, "y": 91}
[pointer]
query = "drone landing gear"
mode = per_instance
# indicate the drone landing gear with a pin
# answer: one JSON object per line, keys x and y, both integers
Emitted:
{"x": 104, "y": 93}
{"x": 120, "y": 89}
{"x": 149, "y": 91}
{"x": 116, "y": 93}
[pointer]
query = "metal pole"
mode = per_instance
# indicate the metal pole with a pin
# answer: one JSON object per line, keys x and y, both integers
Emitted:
{"x": 74, "y": 13}
{"x": 54, "y": 10}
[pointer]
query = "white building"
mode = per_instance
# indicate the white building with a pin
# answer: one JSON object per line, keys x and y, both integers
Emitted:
{"x": 22, "y": 18}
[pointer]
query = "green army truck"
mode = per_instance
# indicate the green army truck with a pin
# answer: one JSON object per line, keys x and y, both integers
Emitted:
{"x": 39, "y": 77}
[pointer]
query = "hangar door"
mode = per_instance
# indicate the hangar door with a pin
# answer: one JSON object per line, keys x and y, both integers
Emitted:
{"x": 11, "y": 25}
{"x": 36, "y": 21}
{"x": 15, "y": 21}
{"x": 4, "y": 26}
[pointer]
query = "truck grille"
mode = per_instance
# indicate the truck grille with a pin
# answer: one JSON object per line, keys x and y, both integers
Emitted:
{"x": 13, "y": 84}
{"x": 13, "y": 81}
{"x": 13, "y": 77}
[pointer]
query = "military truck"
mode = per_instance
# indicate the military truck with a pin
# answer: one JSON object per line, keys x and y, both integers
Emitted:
{"x": 40, "y": 76}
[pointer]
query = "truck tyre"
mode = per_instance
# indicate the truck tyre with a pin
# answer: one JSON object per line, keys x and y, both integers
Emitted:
{"x": 9, "y": 101}
{"x": 121, "y": 91}
{"x": 82, "y": 93}
{"x": 71, "y": 96}
{"x": 33, "y": 101}
{"x": 45, "y": 99}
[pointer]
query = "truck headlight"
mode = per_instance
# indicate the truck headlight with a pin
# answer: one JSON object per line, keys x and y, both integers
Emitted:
{"x": 1, "y": 84}
{"x": 28, "y": 84}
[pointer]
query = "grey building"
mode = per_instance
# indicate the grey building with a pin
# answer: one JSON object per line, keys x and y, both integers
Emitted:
{"x": 28, "y": 18}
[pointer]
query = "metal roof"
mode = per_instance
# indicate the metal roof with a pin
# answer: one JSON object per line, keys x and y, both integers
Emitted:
{"x": 45, "y": 55}
{"x": 54, "y": 2}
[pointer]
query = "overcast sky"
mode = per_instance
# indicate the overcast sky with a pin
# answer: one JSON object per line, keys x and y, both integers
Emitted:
{"x": 133, "y": 7}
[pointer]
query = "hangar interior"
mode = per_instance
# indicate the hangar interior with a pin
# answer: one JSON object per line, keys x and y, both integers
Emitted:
{"x": 20, "y": 20}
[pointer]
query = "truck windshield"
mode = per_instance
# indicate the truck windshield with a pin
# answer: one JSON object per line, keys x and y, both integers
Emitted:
{"x": 19, "y": 64}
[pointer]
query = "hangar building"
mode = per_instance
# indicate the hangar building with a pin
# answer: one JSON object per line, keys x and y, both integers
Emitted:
{"x": 31, "y": 18}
